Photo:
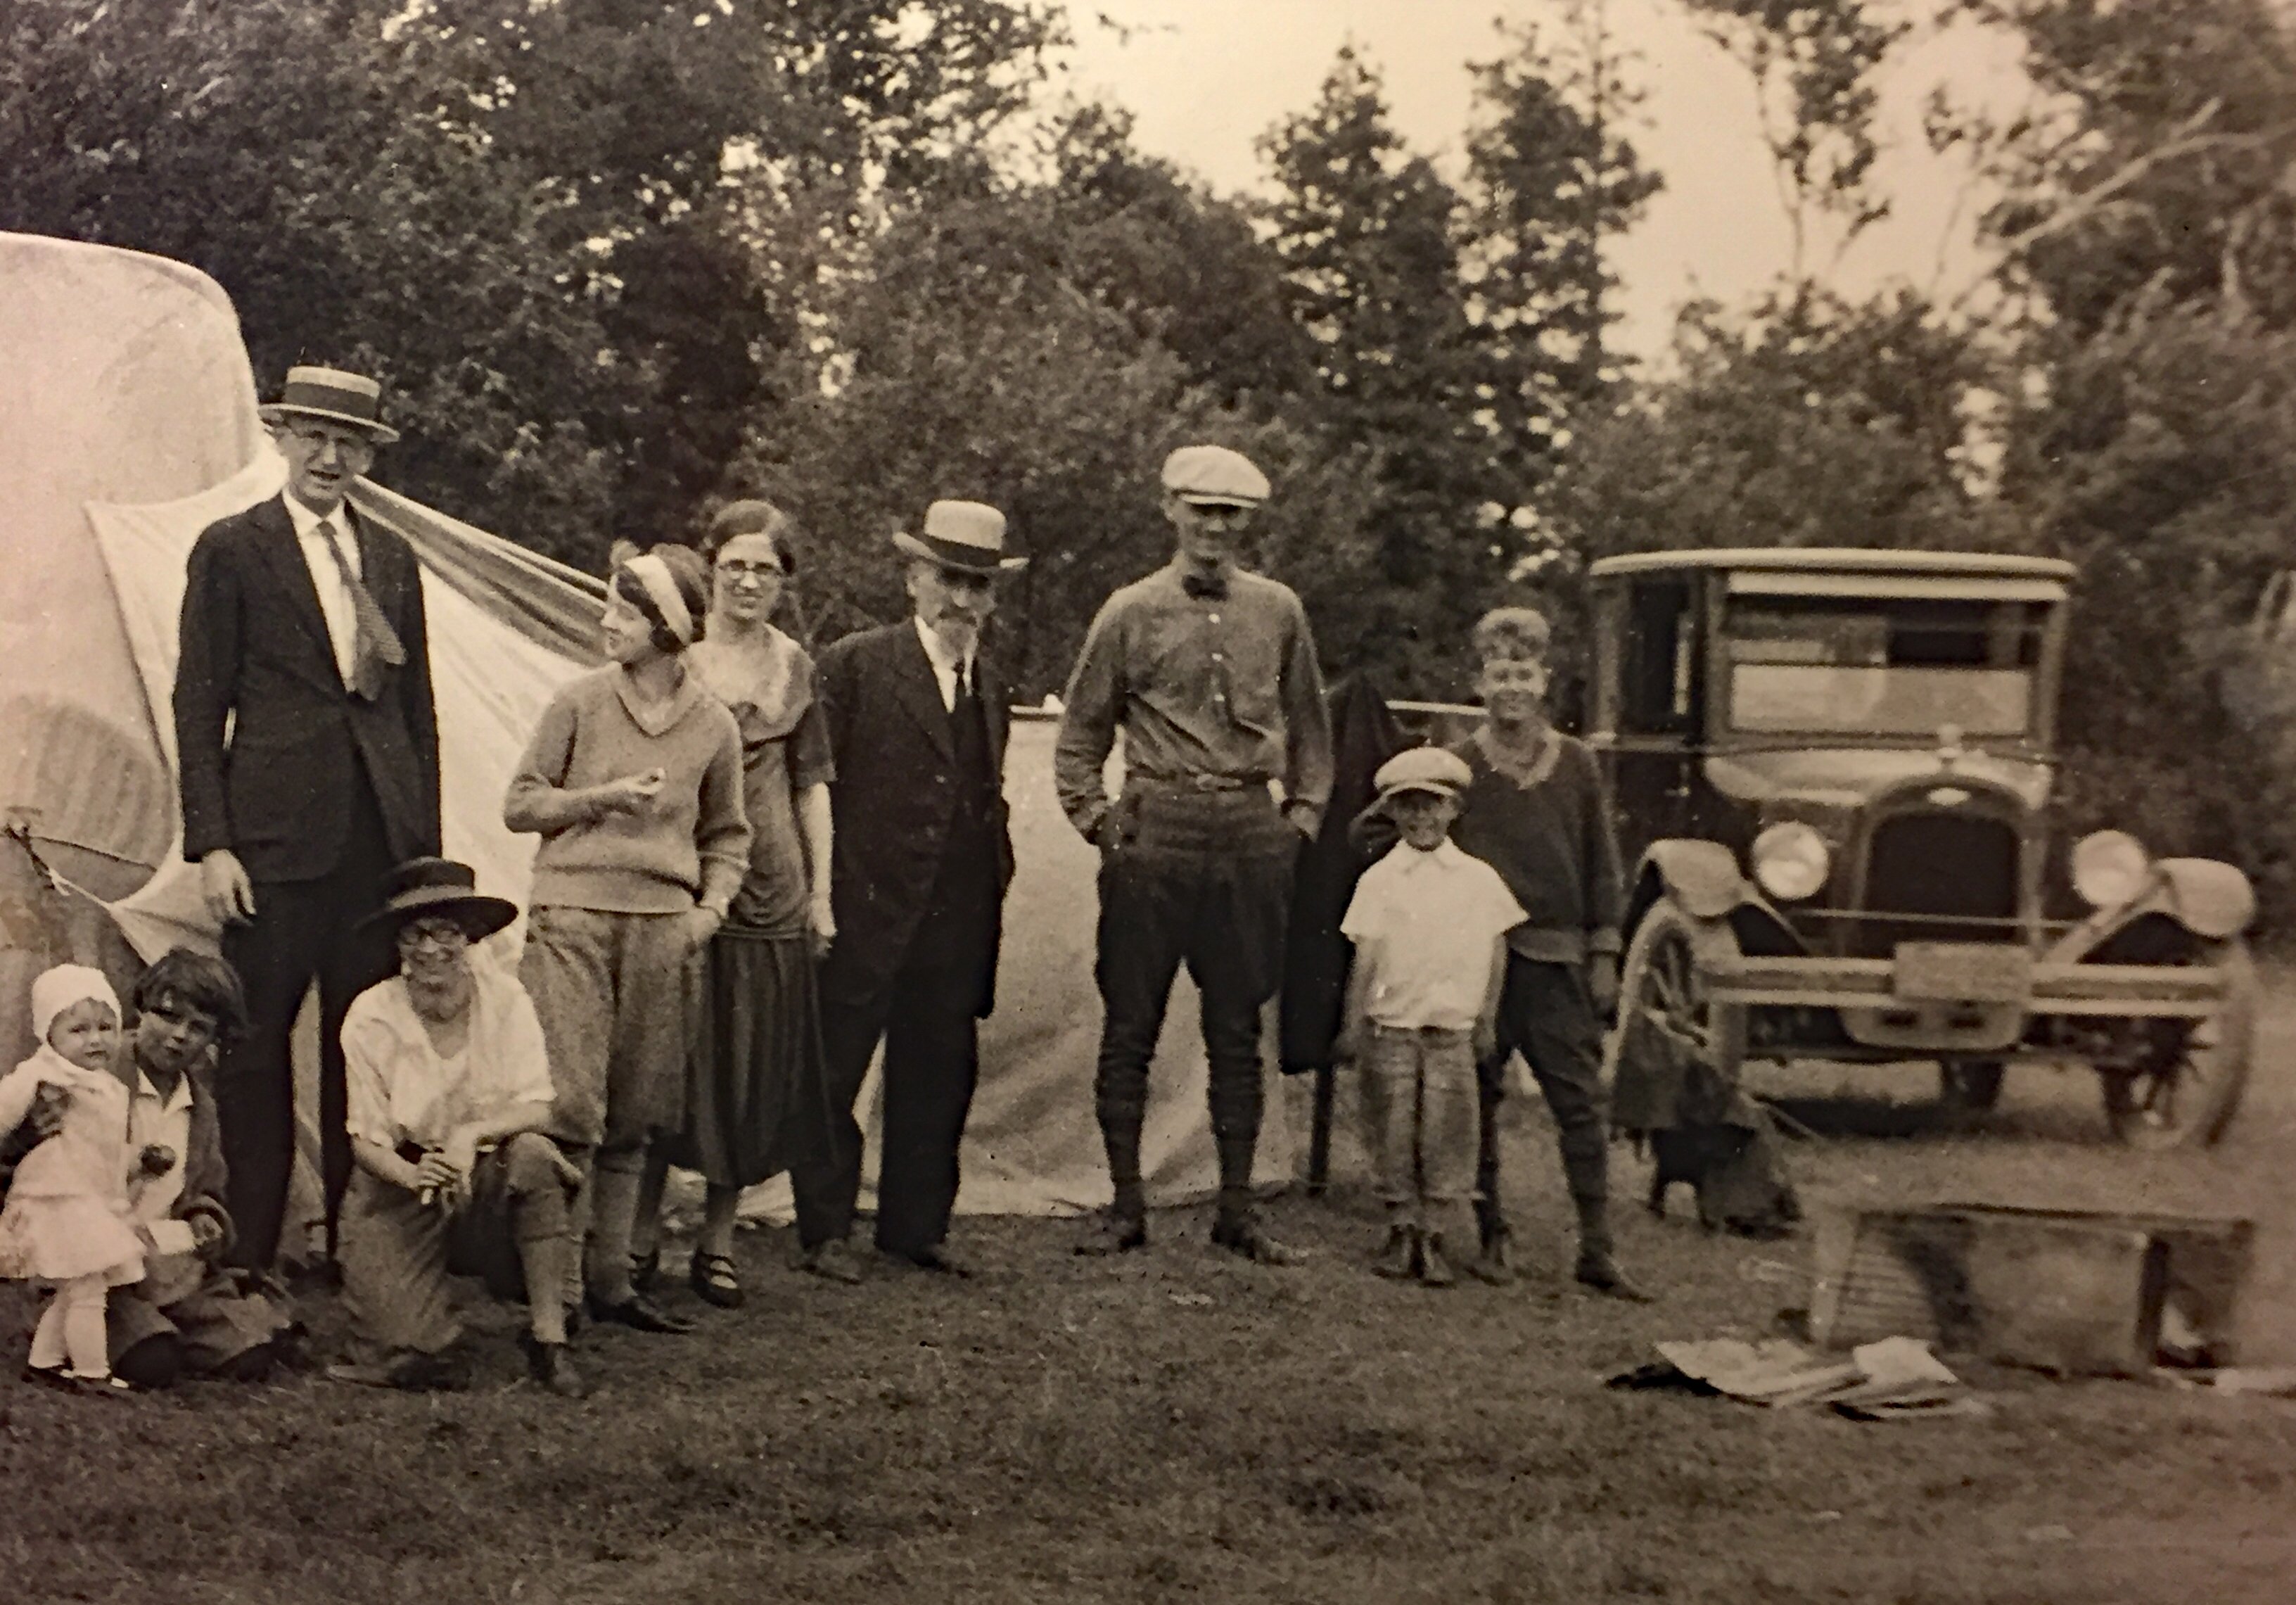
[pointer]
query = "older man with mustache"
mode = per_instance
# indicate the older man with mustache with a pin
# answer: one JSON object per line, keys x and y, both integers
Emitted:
{"x": 917, "y": 716}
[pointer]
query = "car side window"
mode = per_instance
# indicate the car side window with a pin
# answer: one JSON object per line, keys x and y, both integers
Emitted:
{"x": 1659, "y": 662}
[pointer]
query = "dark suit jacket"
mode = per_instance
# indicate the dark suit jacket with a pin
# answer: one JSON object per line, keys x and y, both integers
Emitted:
{"x": 280, "y": 789}
{"x": 895, "y": 794}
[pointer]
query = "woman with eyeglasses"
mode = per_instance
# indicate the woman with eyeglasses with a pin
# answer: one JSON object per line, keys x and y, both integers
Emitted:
{"x": 756, "y": 1072}
{"x": 449, "y": 1089}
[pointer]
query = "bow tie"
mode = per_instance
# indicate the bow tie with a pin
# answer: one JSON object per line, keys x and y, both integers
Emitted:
{"x": 1205, "y": 587}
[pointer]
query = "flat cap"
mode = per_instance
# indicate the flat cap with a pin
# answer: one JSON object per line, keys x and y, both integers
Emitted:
{"x": 1425, "y": 769}
{"x": 1215, "y": 475}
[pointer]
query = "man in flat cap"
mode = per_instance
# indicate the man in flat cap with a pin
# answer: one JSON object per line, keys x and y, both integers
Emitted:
{"x": 309, "y": 766}
{"x": 922, "y": 855}
{"x": 1210, "y": 672}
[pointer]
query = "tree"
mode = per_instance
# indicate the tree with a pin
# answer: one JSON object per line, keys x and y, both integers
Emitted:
{"x": 1554, "y": 179}
{"x": 1366, "y": 234}
{"x": 347, "y": 212}
{"x": 581, "y": 238}
{"x": 1814, "y": 63}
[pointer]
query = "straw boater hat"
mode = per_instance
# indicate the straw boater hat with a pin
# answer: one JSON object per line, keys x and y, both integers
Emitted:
{"x": 967, "y": 536}
{"x": 334, "y": 395}
{"x": 436, "y": 885}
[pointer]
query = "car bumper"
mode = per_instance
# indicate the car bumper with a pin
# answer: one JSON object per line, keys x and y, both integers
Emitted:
{"x": 2024, "y": 988}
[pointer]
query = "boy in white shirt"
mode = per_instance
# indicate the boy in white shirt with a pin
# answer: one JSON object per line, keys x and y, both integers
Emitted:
{"x": 1429, "y": 924}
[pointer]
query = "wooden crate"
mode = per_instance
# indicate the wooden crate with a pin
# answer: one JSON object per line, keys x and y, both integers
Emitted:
{"x": 2065, "y": 1291}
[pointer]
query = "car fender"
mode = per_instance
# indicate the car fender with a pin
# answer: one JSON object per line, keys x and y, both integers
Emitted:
{"x": 2209, "y": 898}
{"x": 1701, "y": 878}
{"x": 2202, "y": 898}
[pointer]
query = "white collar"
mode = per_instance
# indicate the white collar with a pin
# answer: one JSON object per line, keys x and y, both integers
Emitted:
{"x": 180, "y": 1098}
{"x": 307, "y": 521}
{"x": 936, "y": 649}
{"x": 1446, "y": 854}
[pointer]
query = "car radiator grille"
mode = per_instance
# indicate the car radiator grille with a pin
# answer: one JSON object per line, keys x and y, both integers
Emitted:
{"x": 1934, "y": 870}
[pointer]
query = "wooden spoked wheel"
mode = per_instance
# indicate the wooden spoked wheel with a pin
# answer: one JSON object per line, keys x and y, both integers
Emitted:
{"x": 2189, "y": 1087}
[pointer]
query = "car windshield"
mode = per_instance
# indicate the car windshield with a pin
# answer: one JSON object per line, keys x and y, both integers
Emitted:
{"x": 1883, "y": 665}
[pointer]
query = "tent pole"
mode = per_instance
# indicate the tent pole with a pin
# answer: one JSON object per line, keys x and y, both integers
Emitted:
{"x": 1319, "y": 1134}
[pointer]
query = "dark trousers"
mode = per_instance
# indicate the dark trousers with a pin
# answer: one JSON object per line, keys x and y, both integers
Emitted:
{"x": 302, "y": 931}
{"x": 1546, "y": 1014}
{"x": 926, "y": 1012}
{"x": 1203, "y": 880}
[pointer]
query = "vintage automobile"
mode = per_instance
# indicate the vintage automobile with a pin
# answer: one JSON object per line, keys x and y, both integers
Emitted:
{"x": 1832, "y": 772}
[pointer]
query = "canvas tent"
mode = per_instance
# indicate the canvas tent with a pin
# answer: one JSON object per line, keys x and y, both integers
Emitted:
{"x": 127, "y": 425}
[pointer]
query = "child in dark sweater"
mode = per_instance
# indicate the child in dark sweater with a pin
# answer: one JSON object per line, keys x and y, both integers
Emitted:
{"x": 1535, "y": 811}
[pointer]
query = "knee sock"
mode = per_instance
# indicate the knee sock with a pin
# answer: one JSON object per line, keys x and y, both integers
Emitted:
{"x": 1121, "y": 1120}
{"x": 546, "y": 1262}
{"x": 613, "y": 1203}
{"x": 720, "y": 1210}
{"x": 645, "y": 1215}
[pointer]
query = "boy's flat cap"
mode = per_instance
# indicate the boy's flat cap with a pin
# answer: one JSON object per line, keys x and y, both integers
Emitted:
{"x": 1423, "y": 769}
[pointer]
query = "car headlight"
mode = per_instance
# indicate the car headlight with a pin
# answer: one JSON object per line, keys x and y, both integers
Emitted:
{"x": 2109, "y": 867}
{"x": 1790, "y": 860}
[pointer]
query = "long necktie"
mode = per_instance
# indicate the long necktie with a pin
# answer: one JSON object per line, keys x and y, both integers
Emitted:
{"x": 375, "y": 646}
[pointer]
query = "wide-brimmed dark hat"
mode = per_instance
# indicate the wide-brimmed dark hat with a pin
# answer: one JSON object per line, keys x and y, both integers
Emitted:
{"x": 334, "y": 395}
{"x": 437, "y": 885}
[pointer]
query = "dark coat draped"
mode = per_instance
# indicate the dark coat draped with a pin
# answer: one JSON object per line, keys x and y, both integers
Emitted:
{"x": 1316, "y": 958}
{"x": 256, "y": 662}
{"x": 894, "y": 796}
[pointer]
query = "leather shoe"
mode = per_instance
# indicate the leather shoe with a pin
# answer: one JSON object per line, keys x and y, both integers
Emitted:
{"x": 832, "y": 1260}
{"x": 714, "y": 1280}
{"x": 1434, "y": 1270}
{"x": 1245, "y": 1239}
{"x": 550, "y": 1365}
{"x": 1490, "y": 1267}
{"x": 934, "y": 1257}
{"x": 1602, "y": 1274}
{"x": 640, "y": 1314}
{"x": 1111, "y": 1233}
{"x": 1398, "y": 1257}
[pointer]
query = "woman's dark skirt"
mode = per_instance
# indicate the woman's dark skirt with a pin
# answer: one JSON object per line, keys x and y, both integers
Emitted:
{"x": 755, "y": 1077}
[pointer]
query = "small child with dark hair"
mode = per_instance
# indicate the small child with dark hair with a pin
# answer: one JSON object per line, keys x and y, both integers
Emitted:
{"x": 190, "y": 1314}
{"x": 1429, "y": 924}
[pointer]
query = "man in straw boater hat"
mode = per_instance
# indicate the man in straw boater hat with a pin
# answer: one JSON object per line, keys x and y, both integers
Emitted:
{"x": 922, "y": 854}
{"x": 309, "y": 766}
{"x": 1210, "y": 672}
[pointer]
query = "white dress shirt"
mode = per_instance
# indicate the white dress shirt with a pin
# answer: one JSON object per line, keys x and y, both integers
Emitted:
{"x": 950, "y": 670}
{"x": 334, "y": 595}
{"x": 400, "y": 1089}
{"x": 1426, "y": 925}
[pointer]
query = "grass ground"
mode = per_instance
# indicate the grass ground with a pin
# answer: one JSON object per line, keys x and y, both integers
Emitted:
{"x": 1179, "y": 1425}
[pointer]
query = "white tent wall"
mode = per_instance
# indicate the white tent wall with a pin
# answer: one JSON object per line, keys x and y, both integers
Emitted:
{"x": 128, "y": 424}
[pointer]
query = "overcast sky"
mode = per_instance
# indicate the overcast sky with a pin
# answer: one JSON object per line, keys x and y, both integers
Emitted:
{"x": 1207, "y": 77}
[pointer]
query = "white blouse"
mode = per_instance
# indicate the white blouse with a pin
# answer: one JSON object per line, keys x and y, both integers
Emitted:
{"x": 400, "y": 1089}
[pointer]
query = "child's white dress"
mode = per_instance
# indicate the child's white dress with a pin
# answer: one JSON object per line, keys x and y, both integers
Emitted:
{"x": 67, "y": 1214}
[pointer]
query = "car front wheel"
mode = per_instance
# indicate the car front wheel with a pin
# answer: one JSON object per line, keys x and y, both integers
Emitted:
{"x": 2186, "y": 1089}
{"x": 1674, "y": 1043}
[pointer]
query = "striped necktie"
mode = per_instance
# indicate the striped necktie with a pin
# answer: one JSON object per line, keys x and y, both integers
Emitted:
{"x": 375, "y": 646}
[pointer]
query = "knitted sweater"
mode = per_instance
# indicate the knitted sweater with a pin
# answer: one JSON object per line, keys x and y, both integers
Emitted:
{"x": 690, "y": 844}
{"x": 1549, "y": 836}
